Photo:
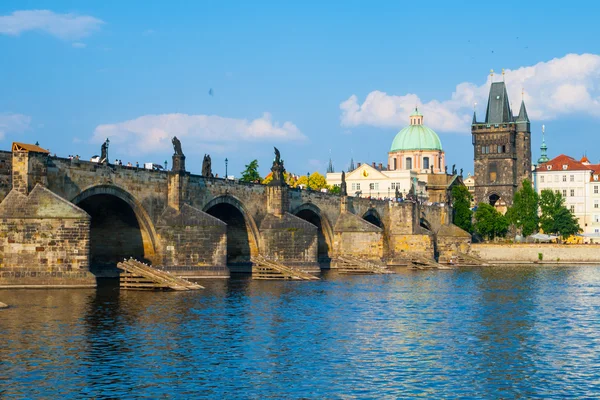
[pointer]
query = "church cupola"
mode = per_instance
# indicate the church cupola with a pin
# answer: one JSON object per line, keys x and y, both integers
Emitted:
{"x": 416, "y": 118}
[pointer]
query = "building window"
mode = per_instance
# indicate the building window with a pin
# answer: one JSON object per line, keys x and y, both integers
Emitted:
{"x": 572, "y": 178}
{"x": 394, "y": 163}
{"x": 393, "y": 185}
{"x": 555, "y": 178}
{"x": 492, "y": 172}
{"x": 358, "y": 186}
{"x": 596, "y": 189}
{"x": 408, "y": 163}
{"x": 595, "y": 203}
{"x": 377, "y": 186}
{"x": 354, "y": 186}
{"x": 542, "y": 178}
{"x": 557, "y": 191}
{"x": 425, "y": 162}
{"x": 564, "y": 192}
{"x": 371, "y": 186}
{"x": 572, "y": 192}
{"x": 596, "y": 218}
{"x": 564, "y": 178}
{"x": 595, "y": 177}
{"x": 572, "y": 208}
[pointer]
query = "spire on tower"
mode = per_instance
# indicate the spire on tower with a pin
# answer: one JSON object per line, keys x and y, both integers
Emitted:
{"x": 330, "y": 167}
{"x": 351, "y": 165}
{"x": 543, "y": 148}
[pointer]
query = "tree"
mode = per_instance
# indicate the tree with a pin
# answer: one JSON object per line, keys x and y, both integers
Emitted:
{"x": 524, "y": 212}
{"x": 461, "y": 208}
{"x": 316, "y": 181}
{"x": 556, "y": 218}
{"x": 250, "y": 174}
{"x": 489, "y": 222}
{"x": 287, "y": 177}
{"x": 333, "y": 189}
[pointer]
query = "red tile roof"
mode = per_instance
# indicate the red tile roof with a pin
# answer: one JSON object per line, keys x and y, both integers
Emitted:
{"x": 558, "y": 163}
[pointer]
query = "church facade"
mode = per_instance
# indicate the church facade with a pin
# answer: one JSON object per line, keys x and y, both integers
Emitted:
{"x": 416, "y": 165}
{"x": 502, "y": 150}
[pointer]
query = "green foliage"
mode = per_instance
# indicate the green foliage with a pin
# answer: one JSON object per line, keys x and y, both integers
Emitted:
{"x": 250, "y": 174}
{"x": 334, "y": 189}
{"x": 489, "y": 223}
{"x": 316, "y": 181}
{"x": 556, "y": 218}
{"x": 287, "y": 177}
{"x": 540, "y": 256}
{"x": 461, "y": 206}
{"x": 524, "y": 212}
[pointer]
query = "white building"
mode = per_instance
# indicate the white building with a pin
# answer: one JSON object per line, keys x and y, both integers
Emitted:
{"x": 577, "y": 182}
{"x": 369, "y": 181}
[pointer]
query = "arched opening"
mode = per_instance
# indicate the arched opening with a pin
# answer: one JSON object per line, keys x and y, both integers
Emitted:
{"x": 241, "y": 241}
{"x": 115, "y": 234}
{"x": 494, "y": 199}
{"x": 311, "y": 213}
{"x": 373, "y": 217}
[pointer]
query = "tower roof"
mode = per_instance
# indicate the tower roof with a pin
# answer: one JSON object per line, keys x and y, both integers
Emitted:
{"x": 523, "y": 117}
{"x": 498, "y": 108}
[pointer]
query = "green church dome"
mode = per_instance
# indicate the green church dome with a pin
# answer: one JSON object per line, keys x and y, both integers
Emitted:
{"x": 416, "y": 136}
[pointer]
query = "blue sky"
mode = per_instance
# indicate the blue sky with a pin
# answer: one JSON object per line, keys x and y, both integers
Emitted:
{"x": 307, "y": 77}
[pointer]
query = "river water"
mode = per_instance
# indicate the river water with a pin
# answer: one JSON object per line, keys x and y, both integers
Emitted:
{"x": 503, "y": 332}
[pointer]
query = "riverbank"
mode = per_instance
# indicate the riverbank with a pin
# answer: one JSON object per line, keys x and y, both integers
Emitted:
{"x": 539, "y": 253}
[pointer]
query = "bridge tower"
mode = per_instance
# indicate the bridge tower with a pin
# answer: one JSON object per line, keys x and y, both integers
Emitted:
{"x": 29, "y": 167}
{"x": 502, "y": 150}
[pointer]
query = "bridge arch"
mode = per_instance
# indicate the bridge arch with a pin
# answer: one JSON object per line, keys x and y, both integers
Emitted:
{"x": 373, "y": 217}
{"x": 242, "y": 232}
{"x": 120, "y": 228}
{"x": 313, "y": 214}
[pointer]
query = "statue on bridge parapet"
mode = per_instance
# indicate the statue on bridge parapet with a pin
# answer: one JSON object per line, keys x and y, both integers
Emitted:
{"x": 104, "y": 152}
{"x": 178, "y": 157}
{"x": 453, "y": 169}
{"x": 177, "y": 146}
{"x": 207, "y": 167}
{"x": 343, "y": 186}
{"x": 277, "y": 170}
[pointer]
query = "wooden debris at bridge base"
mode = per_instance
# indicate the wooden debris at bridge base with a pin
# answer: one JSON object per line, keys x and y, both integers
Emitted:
{"x": 265, "y": 269}
{"x": 353, "y": 265}
{"x": 3, "y": 305}
{"x": 139, "y": 276}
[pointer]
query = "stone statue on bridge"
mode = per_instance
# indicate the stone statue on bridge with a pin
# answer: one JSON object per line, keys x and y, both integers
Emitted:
{"x": 343, "y": 186}
{"x": 104, "y": 152}
{"x": 453, "y": 169}
{"x": 277, "y": 170}
{"x": 398, "y": 194}
{"x": 207, "y": 166}
{"x": 177, "y": 146}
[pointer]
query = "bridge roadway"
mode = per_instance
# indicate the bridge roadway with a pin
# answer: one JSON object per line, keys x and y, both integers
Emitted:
{"x": 190, "y": 224}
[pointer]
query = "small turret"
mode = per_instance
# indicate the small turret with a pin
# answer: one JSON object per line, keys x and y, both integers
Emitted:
{"x": 543, "y": 148}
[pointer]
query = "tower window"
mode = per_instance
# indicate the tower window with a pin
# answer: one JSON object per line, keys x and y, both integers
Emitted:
{"x": 492, "y": 172}
{"x": 426, "y": 162}
{"x": 408, "y": 163}
{"x": 394, "y": 163}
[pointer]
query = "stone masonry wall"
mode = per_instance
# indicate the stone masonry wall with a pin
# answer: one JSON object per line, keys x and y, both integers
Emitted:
{"x": 290, "y": 240}
{"x": 44, "y": 240}
{"x": 5, "y": 173}
{"x": 527, "y": 253}
{"x": 195, "y": 243}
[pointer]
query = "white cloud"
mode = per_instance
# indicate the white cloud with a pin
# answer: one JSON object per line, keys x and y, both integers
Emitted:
{"x": 79, "y": 45}
{"x": 151, "y": 133}
{"x": 562, "y": 86}
{"x": 13, "y": 123}
{"x": 64, "y": 26}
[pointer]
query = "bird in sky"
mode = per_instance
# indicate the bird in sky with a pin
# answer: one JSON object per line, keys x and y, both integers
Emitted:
{"x": 210, "y": 92}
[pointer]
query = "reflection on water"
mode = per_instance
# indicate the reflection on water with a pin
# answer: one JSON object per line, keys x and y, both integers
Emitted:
{"x": 502, "y": 332}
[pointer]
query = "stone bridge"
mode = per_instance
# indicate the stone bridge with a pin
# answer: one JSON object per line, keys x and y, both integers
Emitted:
{"x": 66, "y": 222}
